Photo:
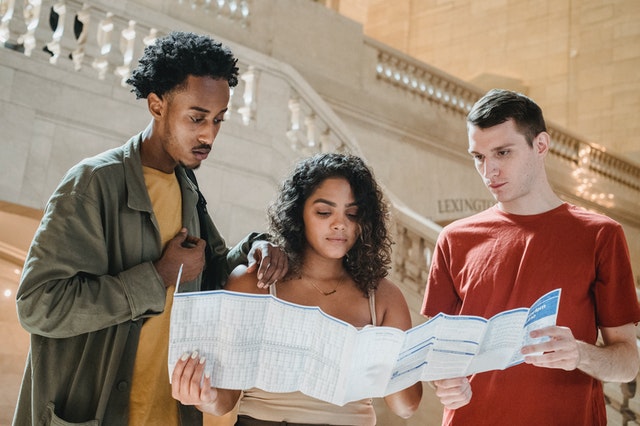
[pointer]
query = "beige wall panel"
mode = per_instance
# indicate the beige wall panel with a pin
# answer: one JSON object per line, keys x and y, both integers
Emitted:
{"x": 587, "y": 43}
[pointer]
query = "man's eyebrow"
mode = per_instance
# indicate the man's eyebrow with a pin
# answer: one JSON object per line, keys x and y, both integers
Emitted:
{"x": 199, "y": 109}
{"x": 496, "y": 149}
{"x": 206, "y": 111}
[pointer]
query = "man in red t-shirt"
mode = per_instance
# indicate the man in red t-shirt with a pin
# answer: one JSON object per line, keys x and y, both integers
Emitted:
{"x": 508, "y": 256}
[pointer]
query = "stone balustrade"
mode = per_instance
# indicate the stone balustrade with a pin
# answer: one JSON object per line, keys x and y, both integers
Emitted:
{"x": 95, "y": 39}
{"x": 425, "y": 82}
{"x": 90, "y": 34}
{"x": 415, "y": 240}
{"x": 433, "y": 85}
{"x": 112, "y": 40}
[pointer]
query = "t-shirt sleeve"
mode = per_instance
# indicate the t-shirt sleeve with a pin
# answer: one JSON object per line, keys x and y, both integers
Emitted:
{"x": 614, "y": 288}
{"x": 440, "y": 294}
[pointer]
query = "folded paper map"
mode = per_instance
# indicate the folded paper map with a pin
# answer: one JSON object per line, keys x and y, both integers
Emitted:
{"x": 261, "y": 341}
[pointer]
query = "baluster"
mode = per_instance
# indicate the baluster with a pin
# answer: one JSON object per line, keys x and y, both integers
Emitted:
{"x": 428, "y": 254}
{"x": 221, "y": 6}
{"x": 310, "y": 125}
{"x": 233, "y": 6}
{"x": 294, "y": 124}
{"x": 6, "y": 11}
{"x": 238, "y": 10}
{"x": 227, "y": 114}
{"x": 246, "y": 110}
{"x": 431, "y": 86}
{"x": 415, "y": 79}
{"x": 80, "y": 31}
{"x": 407, "y": 71}
{"x": 393, "y": 70}
{"x": 575, "y": 149}
{"x": 127, "y": 42}
{"x": 151, "y": 37}
{"x": 326, "y": 144}
{"x": 418, "y": 256}
{"x": 243, "y": 12}
{"x": 584, "y": 157}
{"x": 401, "y": 250}
{"x": 31, "y": 15}
{"x": 446, "y": 93}
{"x": 417, "y": 82}
{"x": 57, "y": 17}
{"x": 195, "y": 4}
{"x": 105, "y": 28}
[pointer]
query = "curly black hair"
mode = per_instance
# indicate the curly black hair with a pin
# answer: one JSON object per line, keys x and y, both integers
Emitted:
{"x": 166, "y": 64}
{"x": 368, "y": 260}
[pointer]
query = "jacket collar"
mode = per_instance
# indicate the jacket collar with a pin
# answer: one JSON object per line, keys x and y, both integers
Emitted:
{"x": 189, "y": 195}
{"x": 137, "y": 195}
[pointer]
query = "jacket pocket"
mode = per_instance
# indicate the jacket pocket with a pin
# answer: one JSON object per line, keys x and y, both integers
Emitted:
{"x": 51, "y": 419}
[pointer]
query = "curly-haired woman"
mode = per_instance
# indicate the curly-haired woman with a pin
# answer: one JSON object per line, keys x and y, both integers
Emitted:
{"x": 330, "y": 218}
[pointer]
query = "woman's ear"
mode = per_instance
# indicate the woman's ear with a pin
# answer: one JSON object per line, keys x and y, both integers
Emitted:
{"x": 156, "y": 105}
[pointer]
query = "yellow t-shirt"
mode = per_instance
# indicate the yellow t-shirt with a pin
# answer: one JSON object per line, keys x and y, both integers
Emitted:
{"x": 151, "y": 402}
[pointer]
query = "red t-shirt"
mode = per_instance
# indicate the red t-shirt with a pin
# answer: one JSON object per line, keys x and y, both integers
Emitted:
{"x": 495, "y": 261}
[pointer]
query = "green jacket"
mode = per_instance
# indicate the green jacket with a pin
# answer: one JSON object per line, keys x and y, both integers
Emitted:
{"x": 89, "y": 282}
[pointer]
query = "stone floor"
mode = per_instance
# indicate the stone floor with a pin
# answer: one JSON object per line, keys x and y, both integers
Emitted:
{"x": 15, "y": 342}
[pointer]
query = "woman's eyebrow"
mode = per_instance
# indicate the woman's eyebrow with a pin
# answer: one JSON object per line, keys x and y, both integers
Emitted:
{"x": 331, "y": 203}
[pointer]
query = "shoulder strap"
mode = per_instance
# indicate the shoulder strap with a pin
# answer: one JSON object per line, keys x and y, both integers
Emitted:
{"x": 372, "y": 307}
{"x": 207, "y": 274}
{"x": 202, "y": 203}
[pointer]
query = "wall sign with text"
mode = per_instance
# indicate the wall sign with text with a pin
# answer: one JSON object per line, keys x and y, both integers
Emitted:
{"x": 461, "y": 207}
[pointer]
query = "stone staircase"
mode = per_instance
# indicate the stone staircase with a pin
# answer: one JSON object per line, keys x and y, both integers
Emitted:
{"x": 63, "y": 66}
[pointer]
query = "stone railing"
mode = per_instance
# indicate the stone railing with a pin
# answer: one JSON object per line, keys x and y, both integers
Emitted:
{"x": 105, "y": 41}
{"x": 415, "y": 240}
{"x": 90, "y": 38}
{"x": 423, "y": 81}
{"x": 623, "y": 404}
{"x": 428, "y": 83}
{"x": 594, "y": 158}
{"x": 93, "y": 39}
{"x": 90, "y": 34}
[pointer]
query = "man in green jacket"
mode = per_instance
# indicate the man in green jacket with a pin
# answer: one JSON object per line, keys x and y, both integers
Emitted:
{"x": 98, "y": 282}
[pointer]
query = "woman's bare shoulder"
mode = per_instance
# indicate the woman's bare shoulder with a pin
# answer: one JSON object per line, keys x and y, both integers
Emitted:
{"x": 387, "y": 289}
{"x": 244, "y": 282}
{"x": 392, "y": 305}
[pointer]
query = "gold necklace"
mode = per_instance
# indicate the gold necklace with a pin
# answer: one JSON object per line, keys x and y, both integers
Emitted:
{"x": 325, "y": 293}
